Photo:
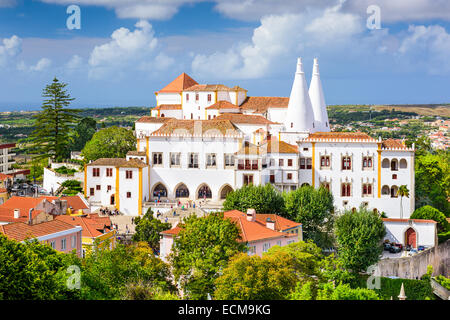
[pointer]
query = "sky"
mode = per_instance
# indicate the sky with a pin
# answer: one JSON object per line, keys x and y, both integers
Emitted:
{"x": 369, "y": 51}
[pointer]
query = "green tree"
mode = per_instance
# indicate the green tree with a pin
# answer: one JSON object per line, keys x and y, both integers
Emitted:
{"x": 32, "y": 271}
{"x": 105, "y": 274}
{"x": 112, "y": 142}
{"x": 430, "y": 213}
{"x": 83, "y": 132}
{"x": 264, "y": 199}
{"x": 254, "y": 278}
{"x": 345, "y": 292}
{"x": 37, "y": 168}
{"x": 148, "y": 229}
{"x": 314, "y": 209}
{"x": 53, "y": 125}
{"x": 197, "y": 261}
{"x": 432, "y": 181}
{"x": 402, "y": 192}
{"x": 359, "y": 238}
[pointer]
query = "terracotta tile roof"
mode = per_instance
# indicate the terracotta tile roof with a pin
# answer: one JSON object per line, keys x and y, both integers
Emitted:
{"x": 3, "y": 190}
{"x": 223, "y": 104}
{"x": 273, "y": 145}
{"x": 393, "y": 143}
{"x": 253, "y": 230}
{"x": 7, "y": 145}
{"x": 244, "y": 118}
{"x": 5, "y": 176}
{"x": 20, "y": 231}
{"x": 168, "y": 107}
{"x": 406, "y": 220}
{"x": 92, "y": 225}
{"x": 212, "y": 87}
{"x": 148, "y": 119}
{"x": 192, "y": 126}
{"x": 249, "y": 230}
{"x": 136, "y": 153}
{"x": 340, "y": 135}
{"x": 118, "y": 162}
{"x": 261, "y": 104}
{"x": 281, "y": 223}
{"x": 7, "y": 214}
{"x": 180, "y": 83}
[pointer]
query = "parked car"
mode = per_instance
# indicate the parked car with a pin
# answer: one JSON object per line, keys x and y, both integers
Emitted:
{"x": 395, "y": 249}
{"x": 420, "y": 248}
{"x": 387, "y": 246}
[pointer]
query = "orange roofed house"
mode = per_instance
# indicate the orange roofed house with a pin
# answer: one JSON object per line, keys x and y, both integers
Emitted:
{"x": 258, "y": 231}
{"x": 60, "y": 235}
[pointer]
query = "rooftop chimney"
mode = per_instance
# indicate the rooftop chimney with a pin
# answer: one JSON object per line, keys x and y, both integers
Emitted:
{"x": 30, "y": 220}
{"x": 251, "y": 215}
{"x": 270, "y": 224}
{"x": 16, "y": 213}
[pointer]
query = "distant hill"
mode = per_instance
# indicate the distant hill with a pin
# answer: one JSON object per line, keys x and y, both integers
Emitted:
{"x": 441, "y": 110}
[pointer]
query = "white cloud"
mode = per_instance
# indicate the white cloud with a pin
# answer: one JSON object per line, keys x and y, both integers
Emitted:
{"x": 280, "y": 37}
{"x": 403, "y": 10}
{"x": 74, "y": 63}
{"x": 427, "y": 47}
{"x": 10, "y": 48}
{"x": 41, "y": 65}
{"x": 128, "y": 50}
{"x": 7, "y": 3}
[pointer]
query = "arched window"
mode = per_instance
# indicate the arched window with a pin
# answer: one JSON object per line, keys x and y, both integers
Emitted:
{"x": 162, "y": 115}
{"x": 182, "y": 191}
{"x": 394, "y": 165}
{"x": 385, "y": 190}
{"x": 225, "y": 191}
{"x": 385, "y": 163}
{"x": 394, "y": 191}
{"x": 160, "y": 191}
{"x": 204, "y": 192}
{"x": 403, "y": 164}
{"x": 305, "y": 184}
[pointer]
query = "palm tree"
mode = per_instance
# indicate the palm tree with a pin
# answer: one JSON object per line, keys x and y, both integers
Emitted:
{"x": 402, "y": 192}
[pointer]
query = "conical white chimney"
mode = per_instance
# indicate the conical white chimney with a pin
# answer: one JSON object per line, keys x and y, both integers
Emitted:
{"x": 318, "y": 100}
{"x": 299, "y": 116}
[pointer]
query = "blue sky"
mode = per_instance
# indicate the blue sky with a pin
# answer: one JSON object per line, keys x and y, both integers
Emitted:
{"x": 127, "y": 50}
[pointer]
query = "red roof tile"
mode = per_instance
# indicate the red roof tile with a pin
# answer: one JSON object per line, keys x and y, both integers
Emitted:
{"x": 20, "y": 231}
{"x": 180, "y": 83}
{"x": 92, "y": 225}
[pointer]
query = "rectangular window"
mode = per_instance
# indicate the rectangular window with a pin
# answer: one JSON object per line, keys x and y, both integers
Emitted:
{"x": 254, "y": 164}
{"x": 229, "y": 160}
{"x": 251, "y": 250}
{"x": 272, "y": 162}
{"x": 175, "y": 159}
{"x": 210, "y": 159}
{"x": 128, "y": 174}
{"x": 302, "y": 163}
{"x": 187, "y": 97}
{"x": 52, "y": 244}
{"x": 108, "y": 188}
{"x": 209, "y": 97}
{"x": 74, "y": 241}
{"x": 109, "y": 172}
{"x": 346, "y": 190}
{"x": 193, "y": 160}
{"x": 324, "y": 161}
{"x": 128, "y": 194}
{"x": 326, "y": 185}
{"x": 91, "y": 191}
{"x": 367, "y": 162}
{"x": 346, "y": 163}
{"x": 289, "y": 162}
{"x": 157, "y": 158}
{"x": 97, "y": 187}
{"x": 248, "y": 179}
{"x": 196, "y": 97}
{"x": 280, "y": 162}
{"x": 266, "y": 247}
{"x": 308, "y": 163}
{"x": 289, "y": 176}
{"x": 63, "y": 244}
{"x": 96, "y": 172}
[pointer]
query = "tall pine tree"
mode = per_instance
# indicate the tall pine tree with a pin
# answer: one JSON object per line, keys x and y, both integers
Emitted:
{"x": 53, "y": 125}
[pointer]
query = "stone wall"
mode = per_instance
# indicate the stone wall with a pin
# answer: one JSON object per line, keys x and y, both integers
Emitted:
{"x": 416, "y": 266}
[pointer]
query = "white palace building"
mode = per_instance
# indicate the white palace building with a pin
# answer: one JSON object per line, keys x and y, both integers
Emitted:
{"x": 204, "y": 140}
